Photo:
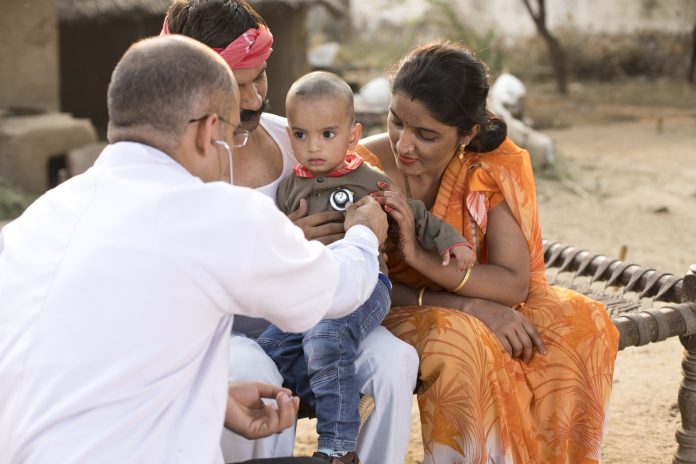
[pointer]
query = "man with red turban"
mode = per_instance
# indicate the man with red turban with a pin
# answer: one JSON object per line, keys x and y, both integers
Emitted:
{"x": 243, "y": 39}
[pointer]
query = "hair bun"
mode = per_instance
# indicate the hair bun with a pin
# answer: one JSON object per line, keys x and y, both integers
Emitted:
{"x": 490, "y": 136}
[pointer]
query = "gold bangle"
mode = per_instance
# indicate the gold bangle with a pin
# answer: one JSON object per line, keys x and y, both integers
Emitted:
{"x": 420, "y": 295}
{"x": 463, "y": 282}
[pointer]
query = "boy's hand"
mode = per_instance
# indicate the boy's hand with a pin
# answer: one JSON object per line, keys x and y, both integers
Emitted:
{"x": 463, "y": 255}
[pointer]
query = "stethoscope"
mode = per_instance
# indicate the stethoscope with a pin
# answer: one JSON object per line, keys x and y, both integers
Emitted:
{"x": 339, "y": 198}
{"x": 227, "y": 148}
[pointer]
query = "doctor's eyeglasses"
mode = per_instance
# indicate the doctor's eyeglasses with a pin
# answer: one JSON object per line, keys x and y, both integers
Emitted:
{"x": 239, "y": 136}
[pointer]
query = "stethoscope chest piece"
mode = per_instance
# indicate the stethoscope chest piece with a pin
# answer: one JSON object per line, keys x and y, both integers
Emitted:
{"x": 339, "y": 198}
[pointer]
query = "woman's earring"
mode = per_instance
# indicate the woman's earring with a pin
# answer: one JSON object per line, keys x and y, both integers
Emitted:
{"x": 461, "y": 150}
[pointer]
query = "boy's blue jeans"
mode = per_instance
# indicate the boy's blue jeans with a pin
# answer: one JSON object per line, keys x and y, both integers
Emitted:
{"x": 319, "y": 366}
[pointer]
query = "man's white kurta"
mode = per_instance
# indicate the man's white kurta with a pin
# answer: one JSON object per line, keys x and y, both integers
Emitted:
{"x": 116, "y": 295}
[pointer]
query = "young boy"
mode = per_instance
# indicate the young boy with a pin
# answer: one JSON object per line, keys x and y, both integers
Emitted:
{"x": 319, "y": 364}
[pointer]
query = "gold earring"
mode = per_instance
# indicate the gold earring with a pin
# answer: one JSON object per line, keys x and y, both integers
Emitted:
{"x": 461, "y": 150}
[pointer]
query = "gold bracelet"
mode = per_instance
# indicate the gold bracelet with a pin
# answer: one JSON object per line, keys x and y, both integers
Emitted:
{"x": 420, "y": 295}
{"x": 463, "y": 282}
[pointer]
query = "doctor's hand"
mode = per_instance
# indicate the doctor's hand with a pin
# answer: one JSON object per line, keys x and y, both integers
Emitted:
{"x": 249, "y": 416}
{"x": 326, "y": 227}
{"x": 367, "y": 212}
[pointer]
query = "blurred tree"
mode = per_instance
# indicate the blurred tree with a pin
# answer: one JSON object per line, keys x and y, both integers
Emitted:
{"x": 341, "y": 28}
{"x": 448, "y": 22}
{"x": 692, "y": 62}
{"x": 556, "y": 52}
{"x": 13, "y": 200}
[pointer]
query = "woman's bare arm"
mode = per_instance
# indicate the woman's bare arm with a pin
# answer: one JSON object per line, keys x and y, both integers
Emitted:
{"x": 505, "y": 279}
{"x": 516, "y": 334}
{"x": 403, "y": 295}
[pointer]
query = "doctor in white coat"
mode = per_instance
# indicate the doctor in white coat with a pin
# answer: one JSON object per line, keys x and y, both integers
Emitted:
{"x": 117, "y": 288}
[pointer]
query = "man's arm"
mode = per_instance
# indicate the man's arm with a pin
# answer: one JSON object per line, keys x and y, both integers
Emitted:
{"x": 293, "y": 282}
{"x": 325, "y": 227}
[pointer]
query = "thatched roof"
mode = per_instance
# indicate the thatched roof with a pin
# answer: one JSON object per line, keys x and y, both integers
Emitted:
{"x": 334, "y": 6}
{"x": 70, "y": 10}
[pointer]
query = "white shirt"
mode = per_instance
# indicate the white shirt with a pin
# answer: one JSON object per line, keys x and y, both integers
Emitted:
{"x": 116, "y": 295}
{"x": 275, "y": 126}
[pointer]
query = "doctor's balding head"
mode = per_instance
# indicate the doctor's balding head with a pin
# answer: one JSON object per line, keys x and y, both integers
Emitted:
{"x": 161, "y": 84}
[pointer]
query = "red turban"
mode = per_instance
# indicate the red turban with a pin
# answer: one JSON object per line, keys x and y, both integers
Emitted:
{"x": 249, "y": 50}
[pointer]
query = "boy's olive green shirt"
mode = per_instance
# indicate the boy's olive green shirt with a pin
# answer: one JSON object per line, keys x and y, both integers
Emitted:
{"x": 433, "y": 233}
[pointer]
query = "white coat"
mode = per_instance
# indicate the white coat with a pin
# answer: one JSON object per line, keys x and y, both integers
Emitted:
{"x": 117, "y": 291}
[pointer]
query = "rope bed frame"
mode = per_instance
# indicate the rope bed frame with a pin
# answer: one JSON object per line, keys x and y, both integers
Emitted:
{"x": 647, "y": 306}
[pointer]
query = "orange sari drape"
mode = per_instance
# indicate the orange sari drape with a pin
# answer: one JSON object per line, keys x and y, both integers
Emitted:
{"x": 477, "y": 404}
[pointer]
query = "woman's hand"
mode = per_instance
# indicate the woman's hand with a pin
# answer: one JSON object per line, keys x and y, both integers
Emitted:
{"x": 326, "y": 227}
{"x": 514, "y": 331}
{"x": 396, "y": 205}
{"x": 517, "y": 335}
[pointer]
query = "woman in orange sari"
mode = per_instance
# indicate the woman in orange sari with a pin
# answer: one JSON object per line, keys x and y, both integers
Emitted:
{"x": 511, "y": 369}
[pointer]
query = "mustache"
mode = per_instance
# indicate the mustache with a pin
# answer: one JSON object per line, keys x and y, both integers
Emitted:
{"x": 246, "y": 115}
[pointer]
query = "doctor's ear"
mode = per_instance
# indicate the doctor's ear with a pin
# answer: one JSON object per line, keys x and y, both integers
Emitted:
{"x": 206, "y": 133}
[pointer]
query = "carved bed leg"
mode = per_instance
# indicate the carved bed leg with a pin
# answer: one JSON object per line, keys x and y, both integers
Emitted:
{"x": 686, "y": 433}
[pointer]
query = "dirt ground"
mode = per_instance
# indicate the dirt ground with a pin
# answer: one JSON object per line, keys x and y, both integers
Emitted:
{"x": 631, "y": 150}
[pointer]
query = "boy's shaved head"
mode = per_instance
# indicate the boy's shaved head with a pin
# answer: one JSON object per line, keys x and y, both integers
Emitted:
{"x": 321, "y": 84}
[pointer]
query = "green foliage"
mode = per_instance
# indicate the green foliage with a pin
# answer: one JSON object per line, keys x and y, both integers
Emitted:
{"x": 486, "y": 46}
{"x": 560, "y": 169}
{"x": 589, "y": 56}
{"x": 379, "y": 52}
{"x": 382, "y": 50}
{"x": 605, "y": 57}
{"x": 13, "y": 201}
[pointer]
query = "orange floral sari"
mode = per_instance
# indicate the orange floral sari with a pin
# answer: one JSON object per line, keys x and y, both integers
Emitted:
{"x": 477, "y": 404}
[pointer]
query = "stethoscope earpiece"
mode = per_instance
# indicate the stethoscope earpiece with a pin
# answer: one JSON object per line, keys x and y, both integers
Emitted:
{"x": 227, "y": 148}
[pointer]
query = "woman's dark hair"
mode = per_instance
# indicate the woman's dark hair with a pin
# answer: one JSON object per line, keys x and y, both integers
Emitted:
{"x": 453, "y": 84}
{"x": 216, "y": 23}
